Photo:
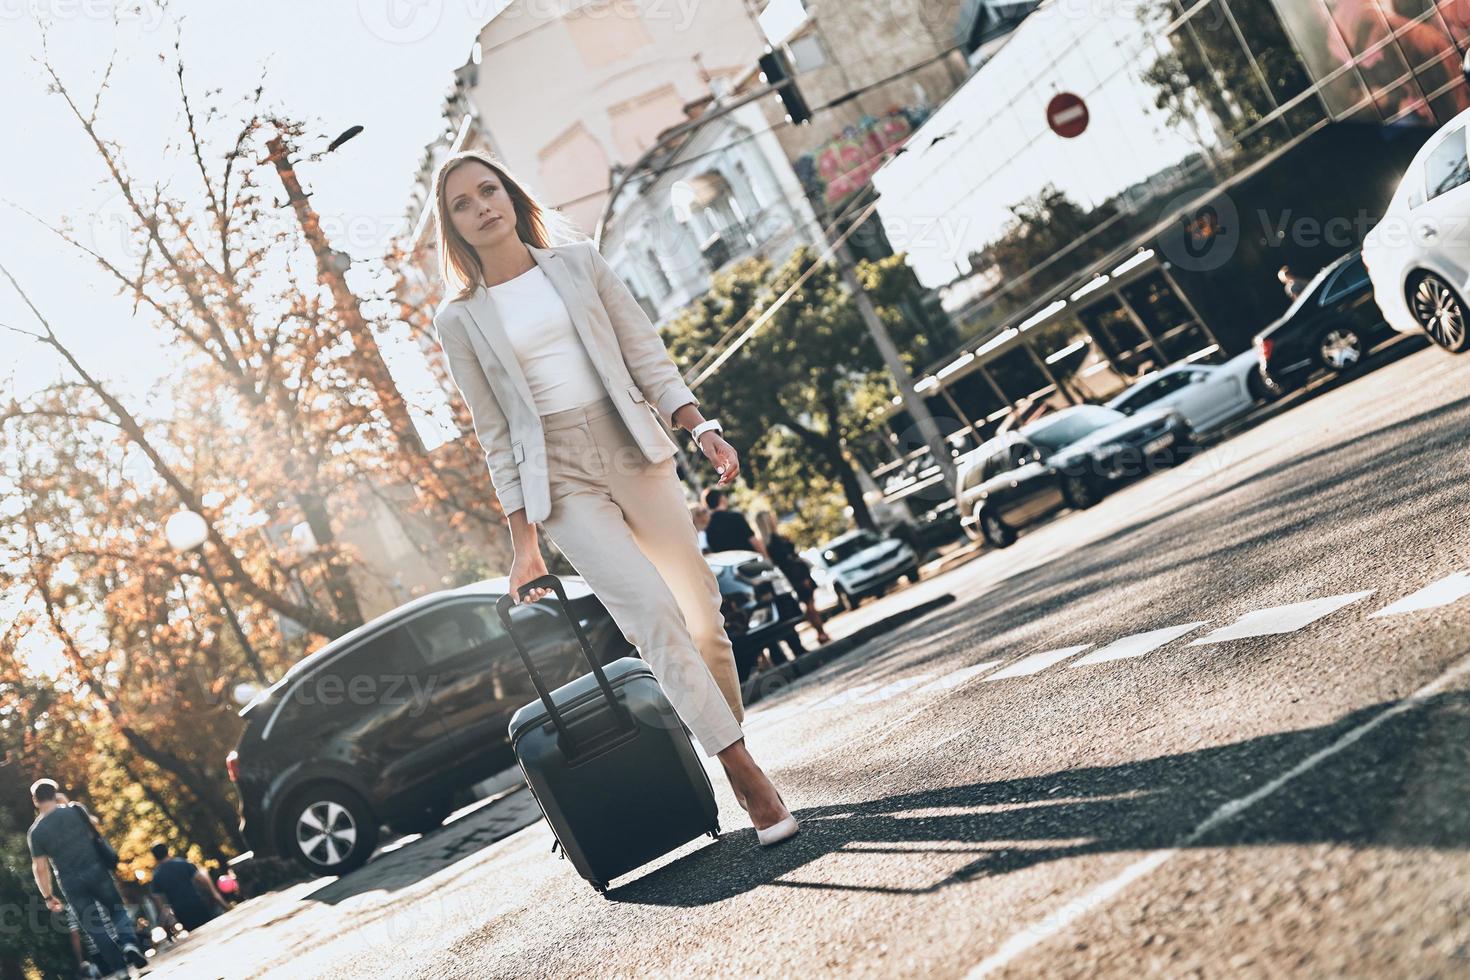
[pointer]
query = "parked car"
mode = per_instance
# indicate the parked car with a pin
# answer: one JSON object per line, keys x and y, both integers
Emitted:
{"x": 861, "y": 563}
{"x": 1070, "y": 458}
{"x": 1207, "y": 395}
{"x": 1419, "y": 255}
{"x": 759, "y": 605}
{"x": 388, "y": 722}
{"x": 1330, "y": 326}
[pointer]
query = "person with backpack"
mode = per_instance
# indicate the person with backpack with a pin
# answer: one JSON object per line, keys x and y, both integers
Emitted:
{"x": 64, "y": 841}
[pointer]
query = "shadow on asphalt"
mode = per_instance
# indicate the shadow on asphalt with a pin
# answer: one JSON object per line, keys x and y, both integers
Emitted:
{"x": 1403, "y": 786}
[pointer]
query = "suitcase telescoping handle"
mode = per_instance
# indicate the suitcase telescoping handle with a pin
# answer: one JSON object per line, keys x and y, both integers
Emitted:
{"x": 502, "y": 608}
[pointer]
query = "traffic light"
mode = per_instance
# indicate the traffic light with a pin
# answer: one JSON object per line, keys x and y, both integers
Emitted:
{"x": 776, "y": 71}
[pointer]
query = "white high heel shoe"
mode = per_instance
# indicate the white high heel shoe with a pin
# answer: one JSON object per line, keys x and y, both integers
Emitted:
{"x": 779, "y": 831}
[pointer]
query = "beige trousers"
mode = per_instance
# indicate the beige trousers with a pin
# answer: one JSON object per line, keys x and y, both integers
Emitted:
{"x": 624, "y": 525}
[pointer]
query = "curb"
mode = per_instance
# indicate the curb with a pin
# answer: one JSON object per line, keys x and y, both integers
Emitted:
{"x": 776, "y": 679}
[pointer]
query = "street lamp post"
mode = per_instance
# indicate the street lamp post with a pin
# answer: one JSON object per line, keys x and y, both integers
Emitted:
{"x": 187, "y": 531}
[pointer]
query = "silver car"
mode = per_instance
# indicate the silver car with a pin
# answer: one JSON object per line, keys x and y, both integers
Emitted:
{"x": 862, "y": 563}
{"x": 1207, "y": 395}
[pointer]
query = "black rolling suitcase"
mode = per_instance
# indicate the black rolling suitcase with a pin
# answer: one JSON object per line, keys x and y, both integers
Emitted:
{"x": 609, "y": 761}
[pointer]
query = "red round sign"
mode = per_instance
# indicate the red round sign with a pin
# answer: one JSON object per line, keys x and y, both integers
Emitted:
{"x": 1066, "y": 114}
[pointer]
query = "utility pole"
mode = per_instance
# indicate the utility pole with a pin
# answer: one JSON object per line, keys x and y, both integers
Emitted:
{"x": 914, "y": 403}
{"x": 331, "y": 269}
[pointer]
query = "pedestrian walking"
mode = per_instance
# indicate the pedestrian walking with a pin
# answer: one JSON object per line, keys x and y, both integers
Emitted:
{"x": 189, "y": 892}
{"x": 1291, "y": 282}
{"x": 87, "y": 954}
{"x": 563, "y": 374}
{"x": 64, "y": 842}
{"x": 728, "y": 529}
{"x": 796, "y": 569}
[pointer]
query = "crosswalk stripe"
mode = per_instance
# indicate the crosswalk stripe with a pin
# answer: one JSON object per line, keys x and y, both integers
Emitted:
{"x": 1441, "y": 593}
{"x": 1280, "y": 619}
{"x": 1036, "y": 663}
{"x": 955, "y": 678}
{"x": 889, "y": 690}
{"x": 1138, "y": 644}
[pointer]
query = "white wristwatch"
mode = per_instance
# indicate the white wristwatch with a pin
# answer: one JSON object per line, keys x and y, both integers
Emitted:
{"x": 708, "y": 425}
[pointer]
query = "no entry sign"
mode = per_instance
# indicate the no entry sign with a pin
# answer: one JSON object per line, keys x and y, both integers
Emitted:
{"x": 1066, "y": 114}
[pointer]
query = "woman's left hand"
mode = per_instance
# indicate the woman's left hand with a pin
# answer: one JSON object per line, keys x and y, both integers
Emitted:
{"x": 722, "y": 455}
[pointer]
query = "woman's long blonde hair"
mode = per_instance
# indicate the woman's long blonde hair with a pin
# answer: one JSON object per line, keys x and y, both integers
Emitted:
{"x": 536, "y": 224}
{"x": 765, "y": 523}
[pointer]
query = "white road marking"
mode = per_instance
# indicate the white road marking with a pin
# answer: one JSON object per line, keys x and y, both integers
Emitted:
{"x": 955, "y": 678}
{"x": 1069, "y": 913}
{"x": 1138, "y": 644}
{"x": 1036, "y": 663}
{"x": 1432, "y": 596}
{"x": 889, "y": 690}
{"x": 1280, "y": 619}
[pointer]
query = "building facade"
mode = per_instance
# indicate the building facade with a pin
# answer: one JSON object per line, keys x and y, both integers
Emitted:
{"x": 1224, "y": 139}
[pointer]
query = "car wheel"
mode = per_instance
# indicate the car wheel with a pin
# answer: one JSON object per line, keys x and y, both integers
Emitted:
{"x": 997, "y": 532}
{"x": 1078, "y": 491}
{"x": 1441, "y": 313}
{"x": 1340, "y": 349}
{"x": 425, "y": 819}
{"x": 1261, "y": 388}
{"x": 845, "y": 600}
{"x": 330, "y": 830}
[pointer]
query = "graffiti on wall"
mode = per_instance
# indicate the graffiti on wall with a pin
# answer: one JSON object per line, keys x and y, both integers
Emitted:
{"x": 842, "y": 166}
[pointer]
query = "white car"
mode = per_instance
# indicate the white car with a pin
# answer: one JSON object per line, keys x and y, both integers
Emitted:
{"x": 861, "y": 563}
{"x": 1207, "y": 395}
{"x": 1418, "y": 256}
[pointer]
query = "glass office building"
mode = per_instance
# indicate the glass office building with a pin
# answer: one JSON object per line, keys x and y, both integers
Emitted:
{"x": 1225, "y": 138}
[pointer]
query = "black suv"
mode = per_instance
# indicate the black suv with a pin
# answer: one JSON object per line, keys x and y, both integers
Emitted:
{"x": 387, "y": 723}
{"x": 1070, "y": 458}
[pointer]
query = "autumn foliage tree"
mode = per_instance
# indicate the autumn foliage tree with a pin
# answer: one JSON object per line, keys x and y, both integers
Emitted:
{"x": 280, "y": 412}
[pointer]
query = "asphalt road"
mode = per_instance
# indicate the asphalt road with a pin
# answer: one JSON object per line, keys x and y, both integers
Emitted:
{"x": 1194, "y": 731}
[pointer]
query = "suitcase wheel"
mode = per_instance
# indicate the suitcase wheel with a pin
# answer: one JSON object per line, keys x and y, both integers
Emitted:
{"x": 600, "y": 887}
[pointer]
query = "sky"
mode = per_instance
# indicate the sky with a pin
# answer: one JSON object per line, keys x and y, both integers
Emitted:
{"x": 381, "y": 64}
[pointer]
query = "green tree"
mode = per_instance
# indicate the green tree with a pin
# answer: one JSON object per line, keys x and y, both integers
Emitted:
{"x": 811, "y": 369}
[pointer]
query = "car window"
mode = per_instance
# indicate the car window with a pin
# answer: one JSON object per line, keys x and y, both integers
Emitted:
{"x": 1141, "y": 397}
{"x": 1446, "y": 167}
{"x": 840, "y": 552}
{"x": 1067, "y": 426}
{"x": 1021, "y": 453}
{"x": 350, "y": 688}
{"x": 1352, "y": 276}
{"x": 456, "y": 631}
{"x": 998, "y": 463}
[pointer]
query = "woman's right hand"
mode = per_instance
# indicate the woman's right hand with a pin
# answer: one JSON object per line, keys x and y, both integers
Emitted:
{"x": 526, "y": 567}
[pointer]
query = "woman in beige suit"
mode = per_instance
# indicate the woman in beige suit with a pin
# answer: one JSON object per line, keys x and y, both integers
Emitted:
{"x": 563, "y": 374}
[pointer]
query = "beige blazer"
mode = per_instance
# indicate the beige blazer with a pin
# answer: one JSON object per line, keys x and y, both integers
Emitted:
{"x": 624, "y": 347}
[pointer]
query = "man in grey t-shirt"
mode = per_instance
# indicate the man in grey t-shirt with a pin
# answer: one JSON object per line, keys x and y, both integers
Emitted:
{"x": 63, "y": 839}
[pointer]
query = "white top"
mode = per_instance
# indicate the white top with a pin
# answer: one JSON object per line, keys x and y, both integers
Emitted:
{"x": 551, "y": 354}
